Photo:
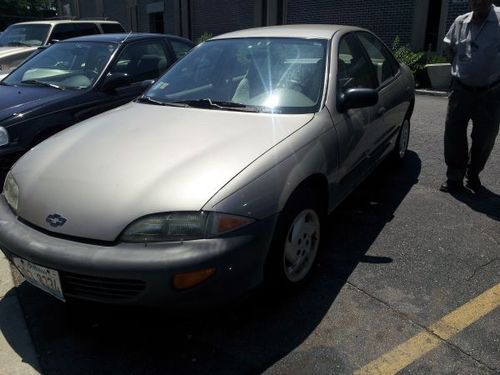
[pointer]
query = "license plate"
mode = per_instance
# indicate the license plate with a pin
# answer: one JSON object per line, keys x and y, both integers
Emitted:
{"x": 44, "y": 278}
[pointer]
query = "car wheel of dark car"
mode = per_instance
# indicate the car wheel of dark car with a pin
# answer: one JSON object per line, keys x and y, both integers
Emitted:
{"x": 402, "y": 141}
{"x": 296, "y": 241}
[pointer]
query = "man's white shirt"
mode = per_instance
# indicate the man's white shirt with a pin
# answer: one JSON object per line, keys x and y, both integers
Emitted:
{"x": 477, "y": 49}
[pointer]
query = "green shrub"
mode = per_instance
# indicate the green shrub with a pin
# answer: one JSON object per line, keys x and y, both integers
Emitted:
{"x": 203, "y": 37}
{"x": 404, "y": 54}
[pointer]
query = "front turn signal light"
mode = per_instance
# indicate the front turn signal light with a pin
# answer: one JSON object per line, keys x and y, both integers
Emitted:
{"x": 191, "y": 279}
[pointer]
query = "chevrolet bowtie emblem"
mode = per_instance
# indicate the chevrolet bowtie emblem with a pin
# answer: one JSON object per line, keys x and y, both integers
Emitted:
{"x": 56, "y": 220}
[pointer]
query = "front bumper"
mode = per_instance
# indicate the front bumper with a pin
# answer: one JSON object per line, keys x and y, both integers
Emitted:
{"x": 9, "y": 154}
{"x": 140, "y": 274}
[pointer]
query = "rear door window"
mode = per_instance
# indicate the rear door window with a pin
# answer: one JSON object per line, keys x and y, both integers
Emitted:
{"x": 142, "y": 61}
{"x": 180, "y": 48}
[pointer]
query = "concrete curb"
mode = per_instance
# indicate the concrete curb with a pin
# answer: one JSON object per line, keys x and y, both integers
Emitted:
{"x": 17, "y": 354}
{"x": 431, "y": 92}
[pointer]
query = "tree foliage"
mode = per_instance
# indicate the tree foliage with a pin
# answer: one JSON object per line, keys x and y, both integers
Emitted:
{"x": 12, "y": 11}
{"x": 203, "y": 37}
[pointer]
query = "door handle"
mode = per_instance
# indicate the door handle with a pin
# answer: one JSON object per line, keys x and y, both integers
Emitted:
{"x": 381, "y": 111}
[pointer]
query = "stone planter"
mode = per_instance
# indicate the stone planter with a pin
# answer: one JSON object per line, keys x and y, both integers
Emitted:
{"x": 439, "y": 75}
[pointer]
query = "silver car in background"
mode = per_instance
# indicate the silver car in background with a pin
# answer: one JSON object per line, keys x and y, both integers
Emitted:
{"x": 217, "y": 178}
{"x": 21, "y": 40}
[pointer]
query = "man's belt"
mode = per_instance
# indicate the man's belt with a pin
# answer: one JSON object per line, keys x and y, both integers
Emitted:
{"x": 476, "y": 88}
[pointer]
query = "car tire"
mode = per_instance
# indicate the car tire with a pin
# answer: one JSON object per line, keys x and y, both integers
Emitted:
{"x": 401, "y": 147}
{"x": 296, "y": 242}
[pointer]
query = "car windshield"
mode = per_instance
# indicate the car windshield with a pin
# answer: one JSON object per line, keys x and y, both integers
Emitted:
{"x": 24, "y": 36}
{"x": 64, "y": 65}
{"x": 283, "y": 75}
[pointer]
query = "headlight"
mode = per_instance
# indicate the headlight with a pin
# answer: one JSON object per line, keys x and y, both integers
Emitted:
{"x": 4, "y": 136}
{"x": 11, "y": 192}
{"x": 180, "y": 226}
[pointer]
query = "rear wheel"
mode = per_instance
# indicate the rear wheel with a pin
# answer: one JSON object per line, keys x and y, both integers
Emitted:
{"x": 296, "y": 241}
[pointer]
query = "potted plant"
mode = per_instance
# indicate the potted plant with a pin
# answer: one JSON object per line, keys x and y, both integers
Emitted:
{"x": 439, "y": 71}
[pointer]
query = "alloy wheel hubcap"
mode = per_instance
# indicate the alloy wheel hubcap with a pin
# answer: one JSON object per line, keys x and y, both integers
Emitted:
{"x": 301, "y": 245}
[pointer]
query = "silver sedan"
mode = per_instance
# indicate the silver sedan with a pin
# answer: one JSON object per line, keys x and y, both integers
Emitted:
{"x": 217, "y": 178}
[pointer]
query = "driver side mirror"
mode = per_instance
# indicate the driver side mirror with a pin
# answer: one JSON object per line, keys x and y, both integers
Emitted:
{"x": 115, "y": 80}
{"x": 148, "y": 83}
{"x": 357, "y": 98}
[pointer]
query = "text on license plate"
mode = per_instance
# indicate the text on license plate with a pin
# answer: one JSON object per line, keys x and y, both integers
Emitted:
{"x": 44, "y": 278}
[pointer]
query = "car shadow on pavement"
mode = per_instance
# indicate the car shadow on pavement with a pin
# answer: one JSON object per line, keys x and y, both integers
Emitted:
{"x": 484, "y": 201}
{"x": 244, "y": 337}
{"x": 14, "y": 331}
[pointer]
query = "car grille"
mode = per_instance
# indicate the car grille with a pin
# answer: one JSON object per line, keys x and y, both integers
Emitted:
{"x": 100, "y": 288}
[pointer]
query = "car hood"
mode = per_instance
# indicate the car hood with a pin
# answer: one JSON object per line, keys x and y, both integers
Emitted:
{"x": 22, "y": 99}
{"x": 11, "y": 51}
{"x": 11, "y": 57}
{"x": 140, "y": 159}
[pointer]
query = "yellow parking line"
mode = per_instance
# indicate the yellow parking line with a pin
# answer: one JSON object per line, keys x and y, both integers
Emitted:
{"x": 422, "y": 343}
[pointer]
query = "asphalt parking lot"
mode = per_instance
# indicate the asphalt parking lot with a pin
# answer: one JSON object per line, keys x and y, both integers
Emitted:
{"x": 408, "y": 281}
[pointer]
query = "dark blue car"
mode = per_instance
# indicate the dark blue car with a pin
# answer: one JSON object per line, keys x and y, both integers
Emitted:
{"x": 75, "y": 79}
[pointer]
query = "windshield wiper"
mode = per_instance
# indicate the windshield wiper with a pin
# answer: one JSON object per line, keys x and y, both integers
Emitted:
{"x": 150, "y": 100}
{"x": 42, "y": 83}
{"x": 219, "y": 104}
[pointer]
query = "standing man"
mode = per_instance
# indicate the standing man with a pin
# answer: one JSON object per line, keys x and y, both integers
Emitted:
{"x": 473, "y": 43}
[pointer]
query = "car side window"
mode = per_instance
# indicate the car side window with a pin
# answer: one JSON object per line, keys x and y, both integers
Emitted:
{"x": 63, "y": 31}
{"x": 108, "y": 28}
{"x": 142, "y": 61}
{"x": 180, "y": 48}
{"x": 382, "y": 60}
{"x": 354, "y": 70}
{"x": 82, "y": 29}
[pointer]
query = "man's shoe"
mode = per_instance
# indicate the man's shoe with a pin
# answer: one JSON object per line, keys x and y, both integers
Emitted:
{"x": 473, "y": 183}
{"x": 451, "y": 186}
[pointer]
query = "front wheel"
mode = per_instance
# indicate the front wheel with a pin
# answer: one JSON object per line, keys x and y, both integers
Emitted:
{"x": 402, "y": 141}
{"x": 296, "y": 242}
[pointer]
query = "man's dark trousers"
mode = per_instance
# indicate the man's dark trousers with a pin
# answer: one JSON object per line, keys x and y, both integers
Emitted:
{"x": 483, "y": 108}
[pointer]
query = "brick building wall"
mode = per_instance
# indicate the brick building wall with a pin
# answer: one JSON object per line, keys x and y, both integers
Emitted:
{"x": 87, "y": 9}
{"x": 408, "y": 19}
{"x": 217, "y": 17}
{"x": 456, "y": 8}
{"x": 388, "y": 18}
{"x": 122, "y": 10}
{"x": 171, "y": 16}
{"x": 117, "y": 11}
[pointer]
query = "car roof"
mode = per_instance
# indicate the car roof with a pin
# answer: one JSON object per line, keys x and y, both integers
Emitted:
{"x": 310, "y": 31}
{"x": 120, "y": 37}
{"x": 56, "y": 22}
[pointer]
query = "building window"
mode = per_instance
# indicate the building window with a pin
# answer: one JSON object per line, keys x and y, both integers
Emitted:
{"x": 156, "y": 22}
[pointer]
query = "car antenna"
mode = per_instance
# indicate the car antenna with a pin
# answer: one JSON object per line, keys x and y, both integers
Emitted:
{"x": 129, "y": 33}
